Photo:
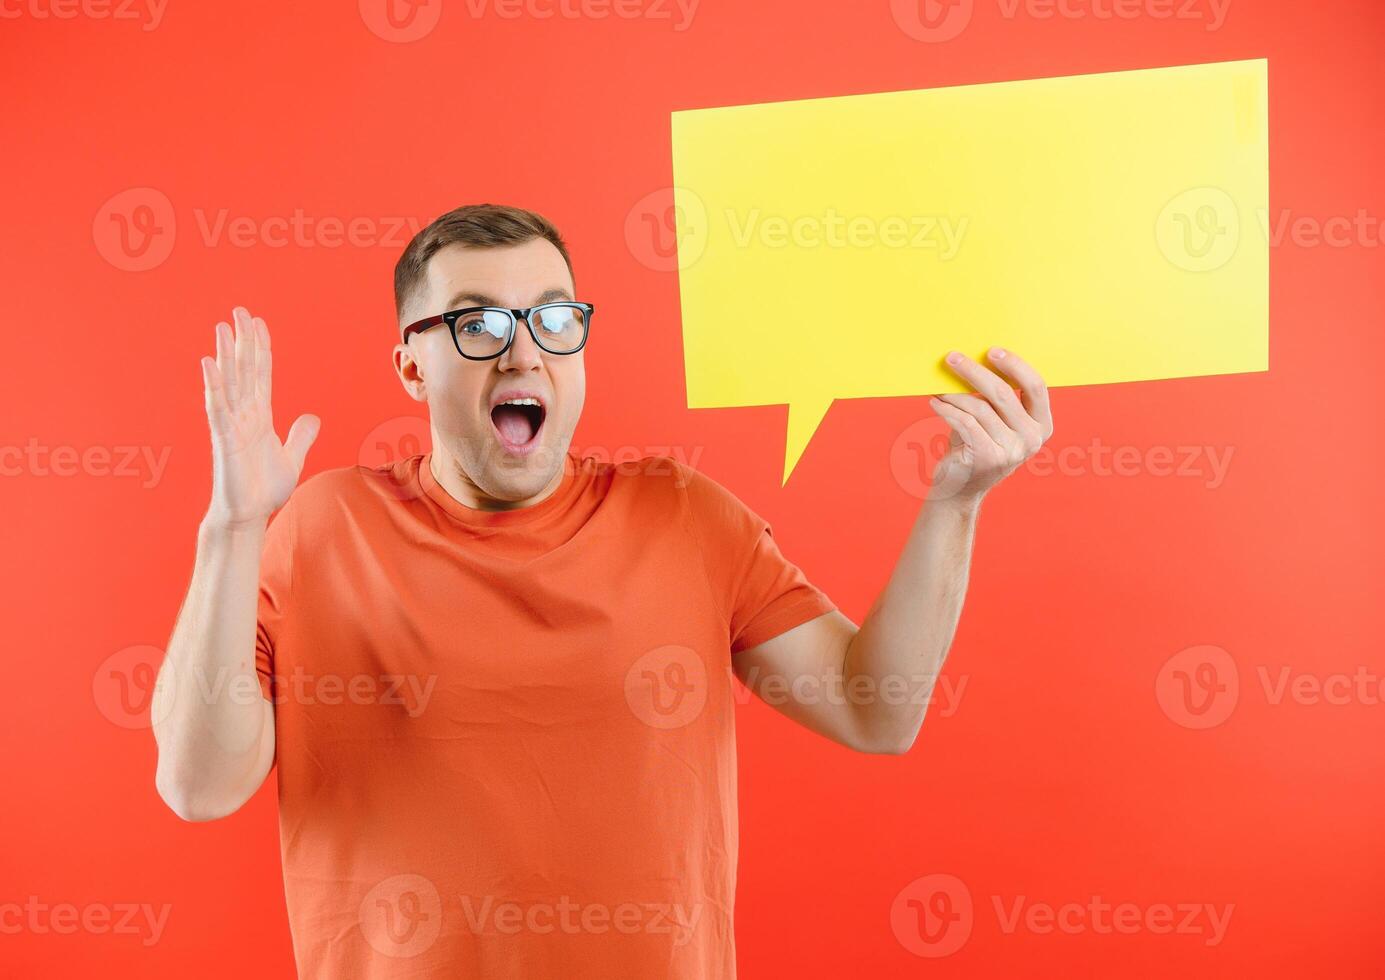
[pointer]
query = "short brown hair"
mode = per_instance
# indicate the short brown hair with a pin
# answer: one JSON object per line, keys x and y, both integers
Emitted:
{"x": 477, "y": 225}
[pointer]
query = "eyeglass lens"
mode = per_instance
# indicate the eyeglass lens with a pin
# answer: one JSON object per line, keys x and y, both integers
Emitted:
{"x": 483, "y": 333}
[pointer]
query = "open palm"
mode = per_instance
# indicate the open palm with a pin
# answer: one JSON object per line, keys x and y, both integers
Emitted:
{"x": 253, "y": 473}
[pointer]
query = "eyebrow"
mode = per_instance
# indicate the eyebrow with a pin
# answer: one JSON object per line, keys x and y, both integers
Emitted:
{"x": 467, "y": 298}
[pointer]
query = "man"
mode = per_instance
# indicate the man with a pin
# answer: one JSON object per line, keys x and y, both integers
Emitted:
{"x": 497, "y": 676}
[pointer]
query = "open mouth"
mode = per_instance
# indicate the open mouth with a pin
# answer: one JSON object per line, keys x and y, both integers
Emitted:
{"x": 518, "y": 425}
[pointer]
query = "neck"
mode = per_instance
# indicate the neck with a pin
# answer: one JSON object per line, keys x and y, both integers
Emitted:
{"x": 452, "y": 477}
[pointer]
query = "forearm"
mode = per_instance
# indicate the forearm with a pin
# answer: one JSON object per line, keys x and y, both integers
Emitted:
{"x": 889, "y": 665}
{"x": 897, "y": 654}
{"x": 214, "y": 729}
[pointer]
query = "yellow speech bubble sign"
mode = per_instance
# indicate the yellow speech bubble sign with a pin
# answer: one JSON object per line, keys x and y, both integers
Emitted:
{"x": 1101, "y": 226}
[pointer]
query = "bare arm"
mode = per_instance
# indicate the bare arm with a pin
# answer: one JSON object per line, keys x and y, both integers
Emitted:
{"x": 214, "y": 729}
{"x": 858, "y": 686}
{"x": 868, "y": 688}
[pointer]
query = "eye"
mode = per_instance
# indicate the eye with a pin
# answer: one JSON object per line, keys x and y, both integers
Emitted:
{"x": 486, "y": 323}
{"x": 552, "y": 320}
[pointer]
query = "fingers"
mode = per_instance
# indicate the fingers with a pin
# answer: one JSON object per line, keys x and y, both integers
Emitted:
{"x": 302, "y": 434}
{"x": 1032, "y": 387}
{"x": 963, "y": 423}
{"x": 225, "y": 364}
{"x": 980, "y": 409}
{"x": 242, "y": 358}
{"x": 245, "y": 355}
{"x": 214, "y": 396}
{"x": 263, "y": 365}
{"x": 1027, "y": 432}
{"x": 996, "y": 390}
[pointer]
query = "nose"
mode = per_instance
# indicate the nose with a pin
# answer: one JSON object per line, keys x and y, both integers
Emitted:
{"x": 524, "y": 354}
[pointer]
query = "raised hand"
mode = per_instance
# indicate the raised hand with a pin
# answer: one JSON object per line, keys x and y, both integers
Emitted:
{"x": 253, "y": 473}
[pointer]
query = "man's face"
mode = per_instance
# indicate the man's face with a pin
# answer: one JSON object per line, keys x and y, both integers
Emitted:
{"x": 497, "y": 453}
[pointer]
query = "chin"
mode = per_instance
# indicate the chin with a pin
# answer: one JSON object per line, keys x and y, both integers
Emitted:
{"x": 527, "y": 474}
{"x": 505, "y": 475}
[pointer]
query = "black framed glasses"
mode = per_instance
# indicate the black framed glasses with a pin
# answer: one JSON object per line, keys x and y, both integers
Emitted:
{"x": 483, "y": 332}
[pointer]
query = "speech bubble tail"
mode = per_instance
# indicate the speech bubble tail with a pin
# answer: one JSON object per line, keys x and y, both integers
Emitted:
{"x": 804, "y": 417}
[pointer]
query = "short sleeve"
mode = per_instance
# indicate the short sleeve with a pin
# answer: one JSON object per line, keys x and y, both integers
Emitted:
{"x": 276, "y": 578}
{"x": 761, "y": 593}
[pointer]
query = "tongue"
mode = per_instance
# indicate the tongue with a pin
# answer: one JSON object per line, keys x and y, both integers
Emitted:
{"x": 513, "y": 423}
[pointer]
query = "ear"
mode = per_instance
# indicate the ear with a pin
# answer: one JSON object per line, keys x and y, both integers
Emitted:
{"x": 410, "y": 371}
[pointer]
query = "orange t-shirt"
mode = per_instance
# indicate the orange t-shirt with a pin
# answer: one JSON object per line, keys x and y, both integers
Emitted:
{"x": 506, "y": 742}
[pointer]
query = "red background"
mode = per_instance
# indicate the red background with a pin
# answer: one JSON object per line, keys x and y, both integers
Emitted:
{"x": 1059, "y": 777}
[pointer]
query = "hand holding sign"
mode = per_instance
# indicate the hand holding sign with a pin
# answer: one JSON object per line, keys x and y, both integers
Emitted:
{"x": 993, "y": 431}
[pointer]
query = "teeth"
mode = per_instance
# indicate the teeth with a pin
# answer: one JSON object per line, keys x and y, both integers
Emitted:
{"x": 520, "y": 401}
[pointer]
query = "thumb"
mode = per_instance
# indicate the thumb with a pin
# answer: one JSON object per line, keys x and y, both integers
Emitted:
{"x": 302, "y": 434}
